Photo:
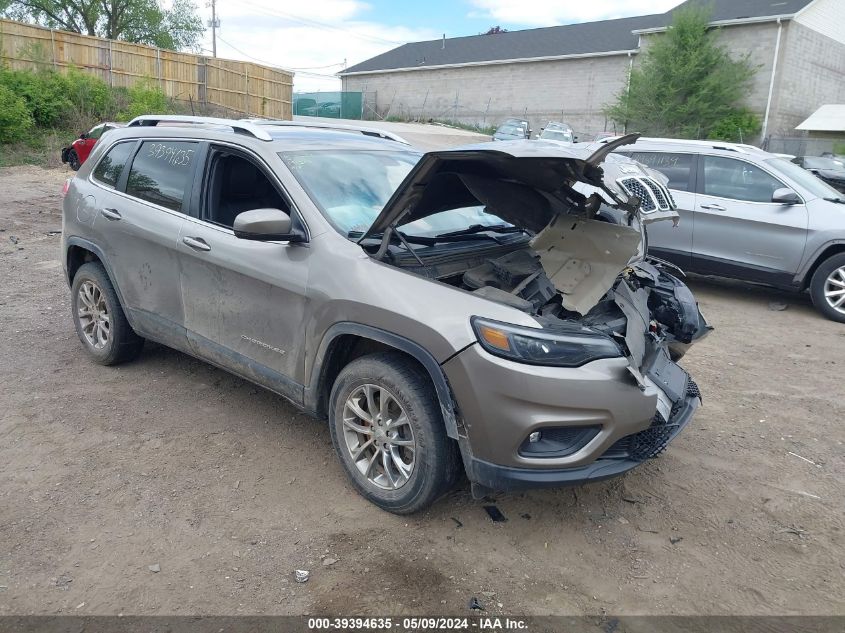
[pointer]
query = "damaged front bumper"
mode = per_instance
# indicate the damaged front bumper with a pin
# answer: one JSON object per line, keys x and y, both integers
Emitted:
{"x": 625, "y": 423}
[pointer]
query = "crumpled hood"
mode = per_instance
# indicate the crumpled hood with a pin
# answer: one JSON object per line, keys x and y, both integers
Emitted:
{"x": 556, "y": 192}
{"x": 526, "y": 183}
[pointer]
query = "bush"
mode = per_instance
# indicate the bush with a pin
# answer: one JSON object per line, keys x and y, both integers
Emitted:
{"x": 92, "y": 98}
{"x": 15, "y": 120}
{"x": 737, "y": 127}
{"x": 45, "y": 93}
{"x": 145, "y": 98}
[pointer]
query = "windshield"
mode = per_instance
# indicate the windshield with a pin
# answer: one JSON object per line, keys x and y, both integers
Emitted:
{"x": 511, "y": 130}
{"x": 817, "y": 162}
{"x": 557, "y": 135}
{"x": 804, "y": 178}
{"x": 352, "y": 187}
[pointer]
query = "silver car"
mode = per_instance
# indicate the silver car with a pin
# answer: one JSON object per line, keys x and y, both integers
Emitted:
{"x": 750, "y": 215}
{"x": 464, "y": 310}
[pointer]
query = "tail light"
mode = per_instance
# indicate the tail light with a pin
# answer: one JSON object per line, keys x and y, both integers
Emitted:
{"x": 66, "y": 187}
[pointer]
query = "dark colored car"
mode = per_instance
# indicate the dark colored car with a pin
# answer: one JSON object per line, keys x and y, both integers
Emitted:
{"x": 512, "y": 130}
{"x": 829, "y": 169}
{"x": 77, "y": 152}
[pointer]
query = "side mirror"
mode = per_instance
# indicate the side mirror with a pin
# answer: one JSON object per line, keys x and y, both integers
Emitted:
{"x": 84, "y": 135}
{"x": 785, "y": 195}
{"x": 265, "y": 225}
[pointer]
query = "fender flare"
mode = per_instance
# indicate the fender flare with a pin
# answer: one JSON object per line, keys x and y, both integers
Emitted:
{"x": 90, "y": 246}
{"x": 814, "y": 260}
{"x": 432, "y": 367}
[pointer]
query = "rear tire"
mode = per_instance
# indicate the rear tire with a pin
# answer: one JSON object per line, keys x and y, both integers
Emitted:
{"x": 73, "y": 160}
{"x": 99, "y": 318}
{"x": 388, "y": 432}
{"x": 828, "y": 288}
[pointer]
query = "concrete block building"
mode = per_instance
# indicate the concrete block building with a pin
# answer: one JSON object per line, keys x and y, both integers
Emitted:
{"x": 570, "y": 72}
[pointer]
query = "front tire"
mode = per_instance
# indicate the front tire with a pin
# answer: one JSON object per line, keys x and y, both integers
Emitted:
{"x": 73, "y": 160}
{"x": 388, "y": 432}
{"x": 99, "y": 318}
{"x": 828, "y": 288}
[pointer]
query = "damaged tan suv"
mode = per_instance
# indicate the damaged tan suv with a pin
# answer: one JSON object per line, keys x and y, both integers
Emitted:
{"x": 459, "y": 310}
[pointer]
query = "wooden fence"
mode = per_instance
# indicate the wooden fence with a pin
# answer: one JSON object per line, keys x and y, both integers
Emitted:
{"x": 241, "y": 88}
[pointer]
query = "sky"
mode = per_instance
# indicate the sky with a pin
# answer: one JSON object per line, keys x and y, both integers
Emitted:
{"x": 317, "y": 38}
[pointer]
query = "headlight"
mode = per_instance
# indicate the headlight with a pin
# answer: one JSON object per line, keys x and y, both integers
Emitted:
{"x": 559, "y": 346}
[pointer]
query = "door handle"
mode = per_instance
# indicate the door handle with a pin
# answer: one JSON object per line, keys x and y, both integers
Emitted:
{"x": 713, "y": 207}
{"x": 198, "y": 244}
{"x": 110, "y": 214}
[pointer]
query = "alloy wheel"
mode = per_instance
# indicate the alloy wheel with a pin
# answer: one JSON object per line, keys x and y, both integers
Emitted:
{"x": 379, "y": 437}
{"x": 834, "y": 289}
{"x": 94, "y": 317}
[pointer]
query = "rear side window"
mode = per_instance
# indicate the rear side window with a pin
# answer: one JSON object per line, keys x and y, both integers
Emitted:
{"x": 108, "y": 170}
{"x": 160, "y": 172}
{"x": 676, "y": 167}
{"x": 737, "y": 180}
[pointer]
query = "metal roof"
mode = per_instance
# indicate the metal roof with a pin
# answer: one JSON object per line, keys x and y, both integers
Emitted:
{"x": 829, "y": 118}
{"x": 583, "y": 39}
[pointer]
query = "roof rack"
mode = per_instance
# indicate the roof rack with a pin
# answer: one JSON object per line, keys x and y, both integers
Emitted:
{"x": 342, "y": 127}
{"x": 237, "y": 127}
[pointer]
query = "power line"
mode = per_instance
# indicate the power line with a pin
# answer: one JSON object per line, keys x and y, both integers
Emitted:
{"x": 267, "y": 63}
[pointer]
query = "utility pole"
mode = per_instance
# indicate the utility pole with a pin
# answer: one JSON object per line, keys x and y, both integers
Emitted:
{"x": 214, "y": 23}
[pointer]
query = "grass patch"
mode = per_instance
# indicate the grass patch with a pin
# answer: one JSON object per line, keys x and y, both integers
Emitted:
{"x": 40, "y": 147}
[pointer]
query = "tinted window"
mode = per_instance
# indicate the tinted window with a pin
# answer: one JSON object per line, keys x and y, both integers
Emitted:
{"x": 160, "y": 172}
{"x": 738, "y": 180}
{"x": 96, "y": 132}
{"x": 676, "y": 167}
{"x": 109, "y": 168}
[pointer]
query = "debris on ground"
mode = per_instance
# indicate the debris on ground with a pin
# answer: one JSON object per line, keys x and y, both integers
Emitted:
{"x": 13, "y": 239}
{"x": 458, "y": 524}
{"x": 809, "y": 461}
{"x": 63, "y": 582}
{"x": 525, "y": 516}
{"x": 155, "y": 568}
{"x": 301, "y": 575}
{"x": 495, "y": 514}
{"x": 793, "y": 530}
{"x": 475, "y": 604}
{"x": 778, "y": 306}
{"x": 329, "y": 561}
{"x": 674, "y": 540}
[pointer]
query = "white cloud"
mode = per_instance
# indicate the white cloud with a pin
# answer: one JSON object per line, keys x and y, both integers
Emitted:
{"x": 552, "y": 12}
{"x": 315, "y": 37}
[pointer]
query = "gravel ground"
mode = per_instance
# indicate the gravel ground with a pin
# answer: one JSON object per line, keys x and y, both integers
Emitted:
{"x": 166, "y": 486}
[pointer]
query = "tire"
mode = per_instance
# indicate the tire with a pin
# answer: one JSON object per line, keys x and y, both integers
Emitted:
{"x": 826, "y": 281}
{"x": 103, "y": 329}
{"x": 434, "y": 459}
{"x": 73, "y": 160}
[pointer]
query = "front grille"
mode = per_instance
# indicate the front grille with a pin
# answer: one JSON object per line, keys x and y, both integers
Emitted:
{"x": 652, "y": 194}
{"x": 658, "y": 193}
{"x": 653, "y": 440}
{"x": 635, "y": 188}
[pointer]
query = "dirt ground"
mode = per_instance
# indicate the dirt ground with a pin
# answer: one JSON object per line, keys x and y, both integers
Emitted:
{"x": 106, "y": 472}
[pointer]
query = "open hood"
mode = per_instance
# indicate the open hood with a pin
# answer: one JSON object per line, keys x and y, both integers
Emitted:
{"x": 526, "y": 183}
{"x": 563, "y": 195}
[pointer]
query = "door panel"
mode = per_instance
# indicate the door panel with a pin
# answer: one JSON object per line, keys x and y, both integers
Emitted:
{"x": 739, "y": 232}
{"x": 140, "y": 230}
{"x": 140, "y": 242}
{"x": 245, "y": 302}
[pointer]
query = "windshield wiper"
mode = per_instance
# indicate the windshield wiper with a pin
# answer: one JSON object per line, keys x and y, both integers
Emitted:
{"x": 481, "y": 228}
{"x": 836, "y": 200}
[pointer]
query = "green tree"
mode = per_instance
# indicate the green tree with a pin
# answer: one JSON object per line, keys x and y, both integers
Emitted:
{"x": 178, "y": 27}
{"x": 687, "y": 82}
